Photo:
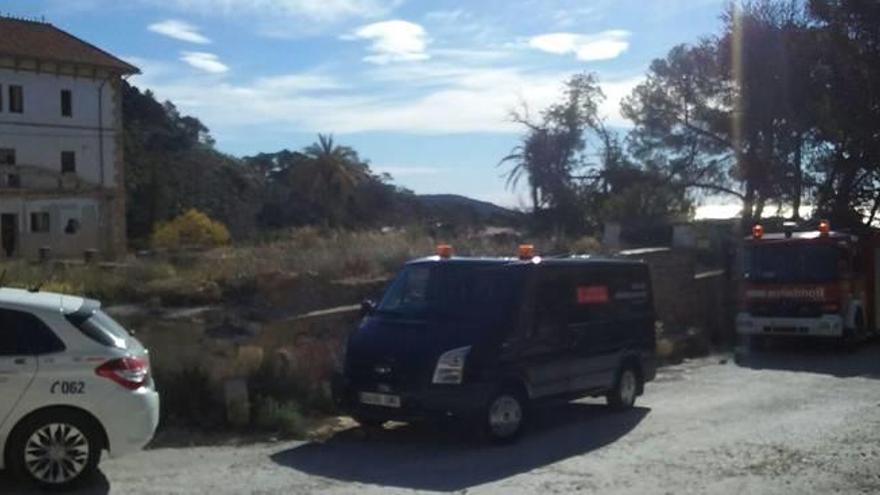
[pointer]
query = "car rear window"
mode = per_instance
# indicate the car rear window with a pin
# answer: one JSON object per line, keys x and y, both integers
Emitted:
{"x": 101, "y": 328}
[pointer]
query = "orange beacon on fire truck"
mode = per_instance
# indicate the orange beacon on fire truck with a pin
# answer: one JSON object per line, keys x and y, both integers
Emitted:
{"x": 818, "y": 283}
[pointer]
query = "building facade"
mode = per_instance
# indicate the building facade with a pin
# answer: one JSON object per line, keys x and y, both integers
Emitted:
{"x": 62, "y": 188}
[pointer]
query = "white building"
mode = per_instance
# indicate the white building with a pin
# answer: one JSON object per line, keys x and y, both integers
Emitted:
{"x": 61, "y": 163}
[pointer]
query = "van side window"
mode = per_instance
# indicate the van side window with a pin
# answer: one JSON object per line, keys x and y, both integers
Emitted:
{"x": 23, "y": 334}
{"x": 552, "y": 303}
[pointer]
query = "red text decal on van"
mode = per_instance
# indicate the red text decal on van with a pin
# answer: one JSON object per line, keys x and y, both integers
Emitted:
{"x": 594, "y": 294}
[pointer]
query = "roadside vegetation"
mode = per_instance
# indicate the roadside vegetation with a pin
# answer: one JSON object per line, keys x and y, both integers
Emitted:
{"x": 793, "y": 121}
{"x": 196, "y": 274}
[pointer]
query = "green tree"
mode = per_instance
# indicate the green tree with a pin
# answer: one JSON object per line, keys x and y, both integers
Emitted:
{"x": 733, "y": 114}
{"x": 554, "y": 156}
{"x": 327, "y": 184}
{"x": 846, "y": 71}
{"x": 172, "y": 166}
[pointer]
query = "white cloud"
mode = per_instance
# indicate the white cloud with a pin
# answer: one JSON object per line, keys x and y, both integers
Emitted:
{"x": 298, "y": 83}
{"x": 179, "y": 30}
{"x": 204, "y": 61}
{"x": 587, "y": 47}
{"x": 616, "y": 90}
{"x": 393, "y": 41}
{"x": 313, "y": 10}
{"x": 434, "y": 98}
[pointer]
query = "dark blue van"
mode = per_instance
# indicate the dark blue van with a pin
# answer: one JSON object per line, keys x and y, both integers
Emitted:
{"x": 482, "y": 339}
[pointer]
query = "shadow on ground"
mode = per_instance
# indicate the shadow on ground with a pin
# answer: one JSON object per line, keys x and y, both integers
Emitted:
{"x": 425, "y": 458}
{"x": 815, "y": 357}
{"x": 99, "y": 485}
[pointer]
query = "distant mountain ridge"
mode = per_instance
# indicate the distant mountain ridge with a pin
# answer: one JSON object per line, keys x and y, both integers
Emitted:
{"x": 454, "y": 206}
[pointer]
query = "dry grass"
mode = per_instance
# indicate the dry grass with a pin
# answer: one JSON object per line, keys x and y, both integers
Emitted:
{"x": 203, "y": 276}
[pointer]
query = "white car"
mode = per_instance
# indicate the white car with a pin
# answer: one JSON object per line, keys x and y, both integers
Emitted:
{"x": 73, "y": 383}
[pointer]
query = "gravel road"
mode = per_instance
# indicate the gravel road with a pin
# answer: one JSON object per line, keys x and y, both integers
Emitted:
{"x": 793, "y": 421}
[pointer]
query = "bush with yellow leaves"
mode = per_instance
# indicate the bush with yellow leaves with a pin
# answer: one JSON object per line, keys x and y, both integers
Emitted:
{"x": 190, "y": 229}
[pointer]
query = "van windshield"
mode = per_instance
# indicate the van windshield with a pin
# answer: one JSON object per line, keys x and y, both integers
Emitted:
{"x": 480, "y": 291}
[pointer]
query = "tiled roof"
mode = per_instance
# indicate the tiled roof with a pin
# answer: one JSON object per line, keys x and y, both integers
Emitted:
{"x": 43, "y": 41}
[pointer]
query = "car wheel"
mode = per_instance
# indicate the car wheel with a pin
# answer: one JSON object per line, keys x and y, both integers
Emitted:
{"x": 55, "y": 449}
{"x": 505, "y": 415}
{"x": 626, "y": 388}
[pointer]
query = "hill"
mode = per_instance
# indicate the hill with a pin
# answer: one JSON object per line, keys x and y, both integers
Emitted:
{"x": 461, "y": 209}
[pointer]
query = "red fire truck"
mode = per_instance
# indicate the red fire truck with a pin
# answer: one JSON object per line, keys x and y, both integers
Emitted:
{"x": 818, "y": 283}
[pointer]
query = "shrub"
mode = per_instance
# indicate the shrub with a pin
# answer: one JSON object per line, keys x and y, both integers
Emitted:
{"x": 285, "y": 417}
{"x": 188, "y": 399}
{"x": 190, "y": 229}
{"x": 585, "y": 245}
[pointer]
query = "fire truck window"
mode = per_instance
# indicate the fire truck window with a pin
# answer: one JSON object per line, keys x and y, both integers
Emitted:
{"x": 787, "y": 263}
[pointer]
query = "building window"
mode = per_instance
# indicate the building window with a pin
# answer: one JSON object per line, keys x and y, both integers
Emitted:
{"x": 13, "y": 180}
{"x": 68, "y": 162}
{"x": 40, "y": 221}
{"x": 7, "y": 156}
{"x": 72, "y": 226}
{"x": 66, "y": 103}
{"x": 16, "y": 98}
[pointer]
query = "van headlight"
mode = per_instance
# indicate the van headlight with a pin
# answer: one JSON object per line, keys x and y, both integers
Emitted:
{"x": 450, "y": 366}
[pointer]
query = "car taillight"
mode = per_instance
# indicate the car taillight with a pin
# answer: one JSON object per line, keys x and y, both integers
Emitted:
{"x": 130, "y": 372}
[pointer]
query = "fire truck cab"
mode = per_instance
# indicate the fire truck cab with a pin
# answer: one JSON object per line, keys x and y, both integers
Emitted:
{"x": 818, "y": 283}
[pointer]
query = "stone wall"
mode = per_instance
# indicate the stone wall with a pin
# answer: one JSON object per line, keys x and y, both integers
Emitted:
{"x": 687, "y": 301}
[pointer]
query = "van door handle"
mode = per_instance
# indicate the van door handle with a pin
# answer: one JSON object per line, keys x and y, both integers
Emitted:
{"x": 19, "y": 361}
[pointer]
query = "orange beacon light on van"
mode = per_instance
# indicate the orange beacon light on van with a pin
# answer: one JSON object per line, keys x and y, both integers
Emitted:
{"x": 824, "y": 227}
{"x": 444, "y": 251}
{"x": 526, "y": 251}
{"x": 758, "y": 231}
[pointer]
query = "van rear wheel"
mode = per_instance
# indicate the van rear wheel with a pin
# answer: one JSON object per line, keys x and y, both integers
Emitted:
{"x": 626, "y": 388}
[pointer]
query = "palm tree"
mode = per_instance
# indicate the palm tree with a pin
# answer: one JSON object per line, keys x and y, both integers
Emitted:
{"x": 329, "y": 178}
{"x": 526, "y": 160}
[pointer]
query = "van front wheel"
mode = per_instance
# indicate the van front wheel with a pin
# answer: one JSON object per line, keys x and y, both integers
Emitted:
{"x": 626, "y": 387}
{"x": 505, "y": 415}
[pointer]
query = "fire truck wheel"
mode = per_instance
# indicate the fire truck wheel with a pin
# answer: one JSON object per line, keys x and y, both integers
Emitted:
{"x": 852, "y": 336}
{"x": 861, "y": 331}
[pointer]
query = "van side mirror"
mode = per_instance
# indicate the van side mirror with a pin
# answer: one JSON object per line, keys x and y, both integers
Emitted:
{"x": 367, "y": 307}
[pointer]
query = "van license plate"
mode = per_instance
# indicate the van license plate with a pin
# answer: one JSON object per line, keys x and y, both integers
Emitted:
{"x": 385, "y": 400}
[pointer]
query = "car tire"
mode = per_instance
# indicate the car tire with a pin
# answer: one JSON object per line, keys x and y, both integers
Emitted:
{"x": 627, "y": 384}
{"x": 504, "y": 417}
{"x": 56, "y": 450}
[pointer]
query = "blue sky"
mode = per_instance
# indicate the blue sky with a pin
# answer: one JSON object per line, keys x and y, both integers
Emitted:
{"x": 420, "y": 88}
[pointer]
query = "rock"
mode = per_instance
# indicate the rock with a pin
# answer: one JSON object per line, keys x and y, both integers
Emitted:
{"x": 238, "y": 408}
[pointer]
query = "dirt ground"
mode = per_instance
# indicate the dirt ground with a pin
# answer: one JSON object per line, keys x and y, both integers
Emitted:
{"x": 792, "y": 420}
